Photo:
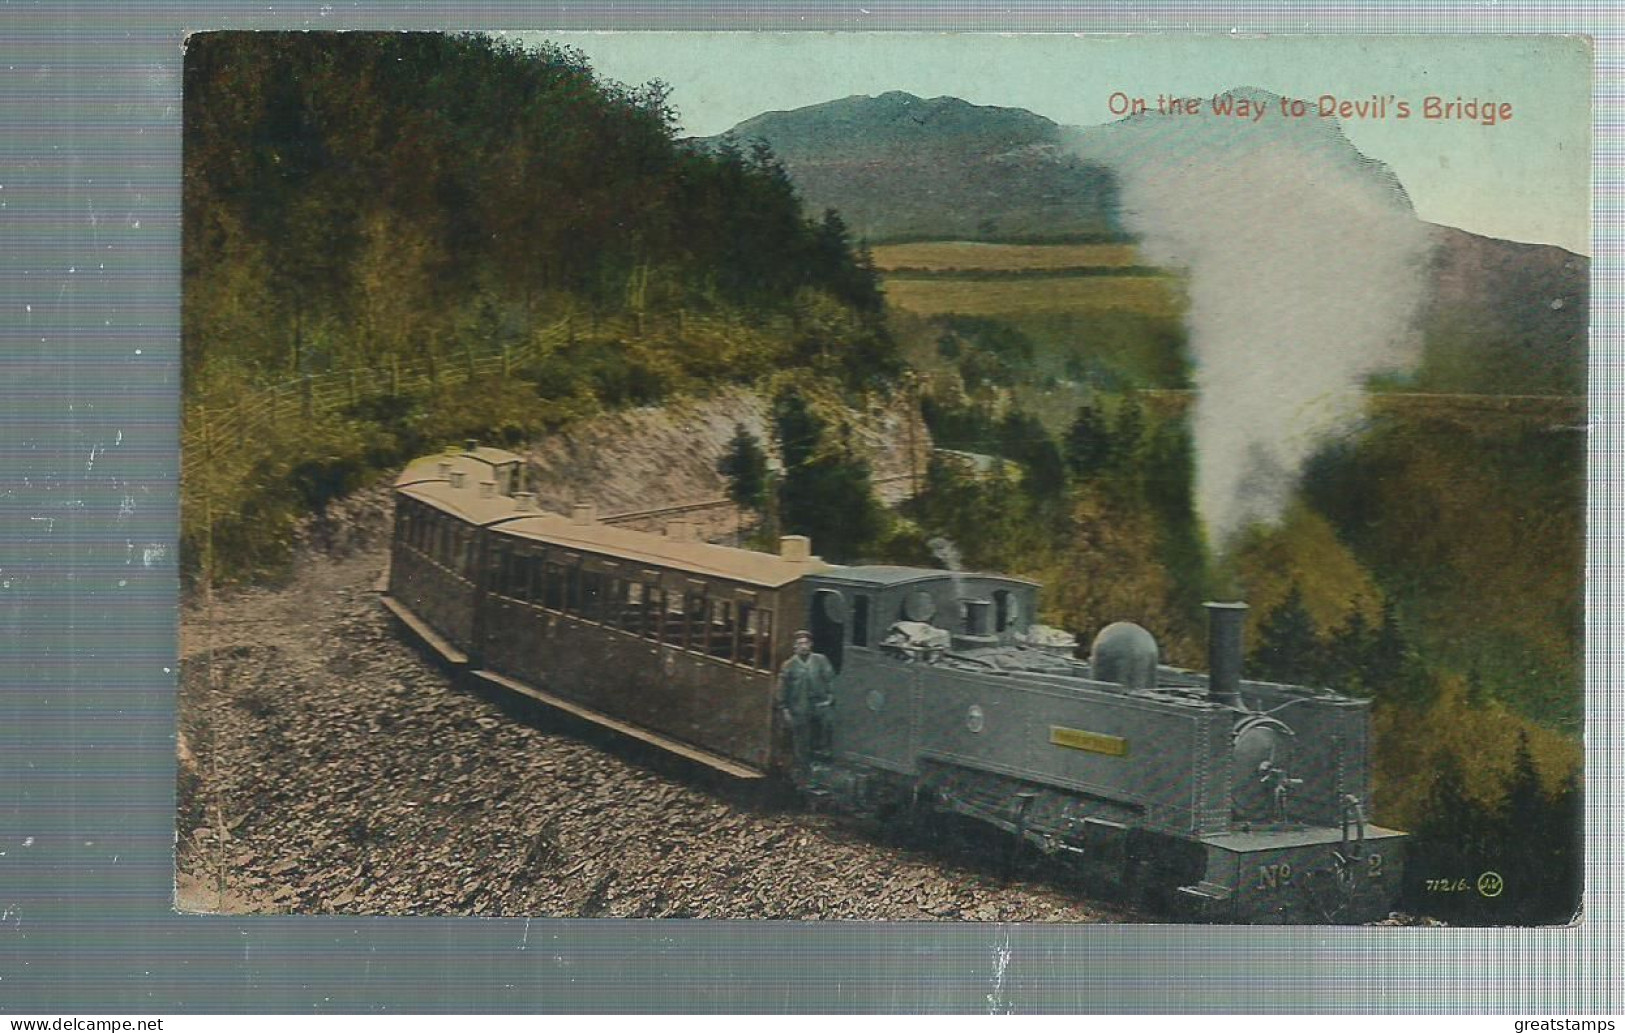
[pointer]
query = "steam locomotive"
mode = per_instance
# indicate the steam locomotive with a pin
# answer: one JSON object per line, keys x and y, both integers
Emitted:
{"x": 1218, "y": 797}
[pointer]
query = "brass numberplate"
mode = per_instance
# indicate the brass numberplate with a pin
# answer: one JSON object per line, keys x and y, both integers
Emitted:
{"x": 1094, "y": 742}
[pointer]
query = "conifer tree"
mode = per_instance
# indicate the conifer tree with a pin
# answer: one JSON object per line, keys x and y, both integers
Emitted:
{"x": 745, "y": 467}
{"x": 1288, "y": 649}
{"x": 827, "y": 492}
{"x": 1088, "y": 444}
{"x": 1526, "y": 836}
{"x": 1128, "y": 432}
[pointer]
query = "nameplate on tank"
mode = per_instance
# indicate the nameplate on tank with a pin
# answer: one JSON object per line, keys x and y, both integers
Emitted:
{"x": 1094, "y": 742}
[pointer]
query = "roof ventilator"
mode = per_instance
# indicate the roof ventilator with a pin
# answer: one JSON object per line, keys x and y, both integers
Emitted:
{"x": 797, "y": 548}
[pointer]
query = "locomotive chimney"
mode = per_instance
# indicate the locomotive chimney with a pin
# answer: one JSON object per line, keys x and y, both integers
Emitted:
{"x": 583, "y": 513}
{"x": 470, "y": 444}
{"x": 1224, "y": 626}
{"x": 524, "y": 500}
{"x": 796, "y": 548}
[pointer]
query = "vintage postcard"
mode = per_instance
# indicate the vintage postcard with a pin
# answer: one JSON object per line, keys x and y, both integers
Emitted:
{"x": 884, "y": 477}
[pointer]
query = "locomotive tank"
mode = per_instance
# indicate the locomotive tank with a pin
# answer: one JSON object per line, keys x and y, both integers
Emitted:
{"x": 1229, "y": 798}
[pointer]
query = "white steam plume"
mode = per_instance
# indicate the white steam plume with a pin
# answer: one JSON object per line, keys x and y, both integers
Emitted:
{"x": 1305, "y": 269}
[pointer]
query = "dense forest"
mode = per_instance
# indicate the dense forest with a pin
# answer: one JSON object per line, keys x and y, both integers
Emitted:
{"x": 359, "y": 207}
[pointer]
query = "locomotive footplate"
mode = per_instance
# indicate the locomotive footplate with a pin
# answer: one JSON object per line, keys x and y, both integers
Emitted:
{"x": 1307, "y": 875}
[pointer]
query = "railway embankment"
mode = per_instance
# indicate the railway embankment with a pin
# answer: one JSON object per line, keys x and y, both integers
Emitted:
{"x": 644, "y": 463}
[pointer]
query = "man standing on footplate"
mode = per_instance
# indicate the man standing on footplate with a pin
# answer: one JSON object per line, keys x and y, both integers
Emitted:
{"x": 806, "y": 700}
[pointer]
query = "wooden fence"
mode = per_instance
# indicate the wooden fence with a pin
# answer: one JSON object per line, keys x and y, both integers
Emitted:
{"x": 246, "y": 424}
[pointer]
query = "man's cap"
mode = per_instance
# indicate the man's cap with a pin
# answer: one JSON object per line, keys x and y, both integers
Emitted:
{"x": 802, "y": 634}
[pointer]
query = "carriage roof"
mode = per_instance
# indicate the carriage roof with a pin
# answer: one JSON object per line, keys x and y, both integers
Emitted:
{"x": 422, "y": 480}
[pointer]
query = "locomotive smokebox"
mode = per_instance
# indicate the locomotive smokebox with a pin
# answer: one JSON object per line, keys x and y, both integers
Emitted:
{"x": 1224, "y": 625}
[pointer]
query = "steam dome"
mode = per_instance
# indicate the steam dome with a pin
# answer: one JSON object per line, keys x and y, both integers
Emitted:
{"x": 1124, "y": 653}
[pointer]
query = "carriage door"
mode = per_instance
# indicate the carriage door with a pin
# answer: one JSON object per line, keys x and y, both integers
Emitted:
{"x": 829, "y": 625}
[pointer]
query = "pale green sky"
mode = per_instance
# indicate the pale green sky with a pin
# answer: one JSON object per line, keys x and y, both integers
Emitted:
{"x": 1527, "y": 179}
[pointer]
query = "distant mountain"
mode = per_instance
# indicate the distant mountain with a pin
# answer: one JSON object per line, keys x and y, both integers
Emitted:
{"x": 1506, "y": 317}
{"x": 899, "y": 167}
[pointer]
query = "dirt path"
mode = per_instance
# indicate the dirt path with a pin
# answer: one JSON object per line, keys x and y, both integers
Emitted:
{"x": 328, "y": 766}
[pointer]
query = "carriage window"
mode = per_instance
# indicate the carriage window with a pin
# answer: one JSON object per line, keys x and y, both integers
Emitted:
{"x": 747, "y": 634}
{"x": 764, "y": 639}
{"x": 592, "y": 587}
{"x": 720, "y": 639}
{"x": 860, "y": 620}
{"x": 572, "y": 588}
{"x": 522, "y": 581}
{"x": 674, "y": 620}
{"x": 654, "y": 600}
{"x": 553, "y": 586}
{"x": 519, "y": 568}
{"x": 630, "y": 605}
{"x": 508, "y": 573}
{"x": 527, "y": 574}
{"x": 695, "y": 619}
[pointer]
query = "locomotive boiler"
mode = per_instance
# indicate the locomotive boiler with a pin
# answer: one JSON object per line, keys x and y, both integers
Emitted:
{"x": 1207, "y": 794}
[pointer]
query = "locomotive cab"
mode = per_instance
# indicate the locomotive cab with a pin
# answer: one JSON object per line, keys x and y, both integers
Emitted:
{"x": 906, "y": 613}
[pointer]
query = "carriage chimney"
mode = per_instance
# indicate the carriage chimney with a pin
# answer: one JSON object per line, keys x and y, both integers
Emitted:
{"x": 796, "y": 548}
{"x": 1224, "y": 626}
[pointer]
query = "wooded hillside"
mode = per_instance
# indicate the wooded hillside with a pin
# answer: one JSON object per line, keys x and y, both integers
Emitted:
{"x": 452, "y": 234}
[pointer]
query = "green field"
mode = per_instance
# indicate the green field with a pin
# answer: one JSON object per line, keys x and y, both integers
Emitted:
{"x": 1089, "y": 327}
{"x": 965, "y": 254}
{"x": 1148, "y": 295}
